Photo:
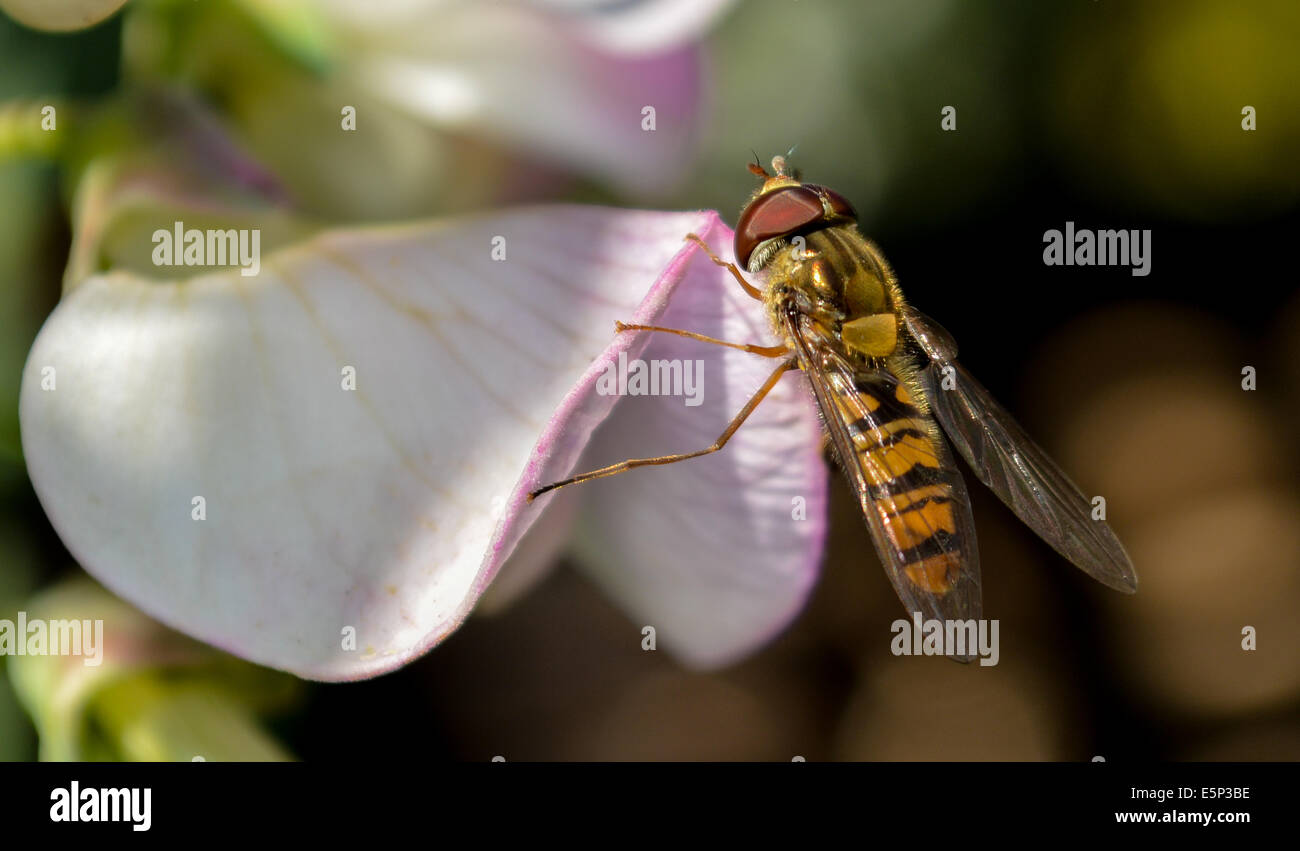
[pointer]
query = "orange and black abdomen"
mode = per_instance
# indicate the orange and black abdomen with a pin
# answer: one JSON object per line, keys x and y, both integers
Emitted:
{"x": 912, "y": 486}
{"x": 913, "y": 498}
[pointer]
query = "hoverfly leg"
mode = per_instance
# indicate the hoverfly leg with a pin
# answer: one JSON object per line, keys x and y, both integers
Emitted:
{"x": 633, "y": 463}
{"x": 750, "y": 289}
{"x": 765, "y": 351}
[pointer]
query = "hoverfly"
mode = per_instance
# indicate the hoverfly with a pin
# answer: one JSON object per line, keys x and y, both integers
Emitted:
{"x": 882, "y": 374}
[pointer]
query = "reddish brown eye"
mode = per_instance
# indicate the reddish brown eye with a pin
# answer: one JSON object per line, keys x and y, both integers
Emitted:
{"x": 775, "y": 214}
{"x": 783, "y": 213}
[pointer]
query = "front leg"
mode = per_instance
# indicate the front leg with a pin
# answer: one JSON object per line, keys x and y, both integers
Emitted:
{"x": 750, "y": 289}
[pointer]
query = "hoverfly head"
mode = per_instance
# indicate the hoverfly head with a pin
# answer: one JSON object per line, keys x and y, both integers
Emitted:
{"x": 784, "y": 207}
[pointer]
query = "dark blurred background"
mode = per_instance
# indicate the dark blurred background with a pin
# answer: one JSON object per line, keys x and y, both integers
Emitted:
{"x": 1108, "y": 115}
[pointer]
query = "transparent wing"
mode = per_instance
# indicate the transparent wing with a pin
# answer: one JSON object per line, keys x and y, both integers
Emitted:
{"x": 1014, "y": 467}
{"x": 913, "y": 498}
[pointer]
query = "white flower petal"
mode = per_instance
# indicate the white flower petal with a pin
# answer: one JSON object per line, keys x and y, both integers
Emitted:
{"x": 719, "y": 552}
{"x": 387, "y": 508}
{"x": 530, "y": 79}
{"x": 535, "y": 556}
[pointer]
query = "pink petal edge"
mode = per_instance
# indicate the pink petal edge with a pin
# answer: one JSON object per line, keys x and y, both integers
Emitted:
{"x": 557, "y": 450}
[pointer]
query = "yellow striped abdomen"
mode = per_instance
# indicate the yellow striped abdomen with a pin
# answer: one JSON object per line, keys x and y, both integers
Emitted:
{"x": 908, "y": 480}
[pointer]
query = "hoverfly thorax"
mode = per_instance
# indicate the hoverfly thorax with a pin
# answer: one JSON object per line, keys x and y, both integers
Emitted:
{"x": 830, "y": 270}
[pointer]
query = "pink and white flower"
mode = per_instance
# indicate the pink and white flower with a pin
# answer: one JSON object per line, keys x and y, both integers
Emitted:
{"x": 383, "y": 512}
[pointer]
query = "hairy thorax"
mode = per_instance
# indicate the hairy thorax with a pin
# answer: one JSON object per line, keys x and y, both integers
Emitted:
{"x": 840, "y": 281}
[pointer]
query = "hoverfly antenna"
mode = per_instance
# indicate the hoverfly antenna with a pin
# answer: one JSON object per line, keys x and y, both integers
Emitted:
{"x": 779, "y": 166}
{"x": 756, "y": 167}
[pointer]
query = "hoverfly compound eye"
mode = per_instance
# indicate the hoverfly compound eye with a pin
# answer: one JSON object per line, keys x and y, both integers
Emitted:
{"x": 786, "y": 212}
{"x": 775, "y": 214}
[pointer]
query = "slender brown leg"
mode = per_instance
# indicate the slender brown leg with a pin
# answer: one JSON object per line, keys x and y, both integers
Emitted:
{"x": 765, "y": 351}
{"x": 633, "y": 463}
{"x": 749, "y": 288}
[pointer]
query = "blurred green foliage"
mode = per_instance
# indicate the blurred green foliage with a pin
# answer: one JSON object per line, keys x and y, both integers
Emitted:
{"x": 152, "y": 695}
